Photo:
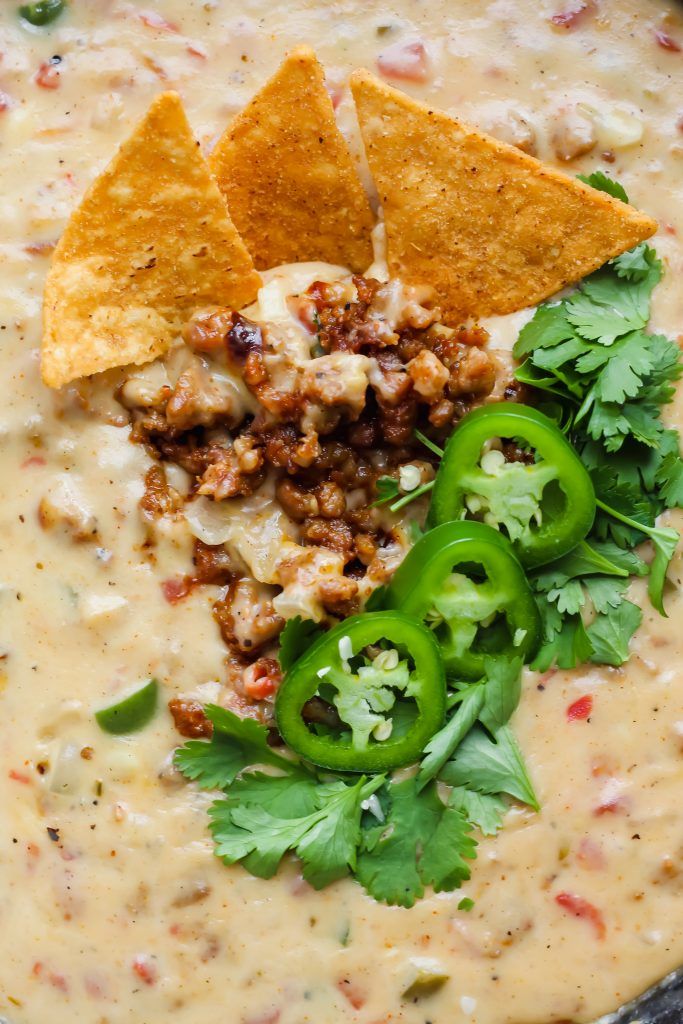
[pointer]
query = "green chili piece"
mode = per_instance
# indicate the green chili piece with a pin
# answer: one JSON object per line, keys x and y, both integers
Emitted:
{"x": 543, "y": 499}
{"x": 382, "y": 673}
{"x": 42, "y": 13}
{"x": 464, "y": 580}
{"x": 132, "y": 713}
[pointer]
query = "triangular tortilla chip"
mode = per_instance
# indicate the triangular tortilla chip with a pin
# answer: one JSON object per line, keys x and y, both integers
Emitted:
{"x": 288, "y": 177}
{"x": 151, "y": 241}
{"x": 491, "y": 228}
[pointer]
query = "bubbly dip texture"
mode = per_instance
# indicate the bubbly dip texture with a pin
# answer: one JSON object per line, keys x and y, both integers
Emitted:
{"x": 113, "y": 907}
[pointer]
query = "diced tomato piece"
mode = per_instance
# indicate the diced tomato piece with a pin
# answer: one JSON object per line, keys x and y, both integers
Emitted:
{"x": 259, "y": 689}
{"x": 33, "y": 460}
{"x": 405, "y": 61}
{"x": 152, "y": 19}
{"x": 352, "y": 993}
{"x": 574, "y": 14}
{"x": 47, "y": 76}
{"x": 145, "y": 969}
{"x": 590, "y": 854}
{"x": 580, "y": 709}
{"x": 16, "y": 776}
{"x": 58, "y": 981}
{"x": 176, "y": 589}
{"x": 667, "y": 42}
{"x": 262, "y": 679}
{"x": 581, "y": 908}
{"x": 269, "y": 1017}
{"x": 196, "y": 50}
{"x": 336, "y": 93}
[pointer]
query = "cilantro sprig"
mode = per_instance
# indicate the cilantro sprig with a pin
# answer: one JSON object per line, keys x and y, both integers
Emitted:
{"x": 393, "y": 836}
{"x": 607, "y": 381}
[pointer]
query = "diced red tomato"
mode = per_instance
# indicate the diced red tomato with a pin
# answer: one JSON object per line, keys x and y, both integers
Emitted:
{"x": 259, "y": 689}
{"x": 58, "y": 981}
{"x": 405, "y": 61}
{"x": 145, "y": 969}
{"x": 176, "y": 589}
{"x": 667, "y": 42}
{"x": 196, "y": 50}
{"x": 335, "y": 92}
{"x": 352, "y": 993}
{"x": 269, "y": 1017}
{"x": 47, "y": 76}
{"x": 16, "y": 776}
{"x": 574, "y": 14}
{"x": 581, "y": 908}
{"x": 590, "y": 854}
{"x": 580, "y": 709}
{"x": 612, "y": 802}
{"x": 152, "y": 19}
{"x": 33, "y": 460}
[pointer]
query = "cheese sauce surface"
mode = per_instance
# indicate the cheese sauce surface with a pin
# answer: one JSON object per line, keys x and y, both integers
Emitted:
{"x": 113, "y": 908}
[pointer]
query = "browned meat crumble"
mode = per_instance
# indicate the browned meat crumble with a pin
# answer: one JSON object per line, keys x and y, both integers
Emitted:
{"x": 323, "y": 433}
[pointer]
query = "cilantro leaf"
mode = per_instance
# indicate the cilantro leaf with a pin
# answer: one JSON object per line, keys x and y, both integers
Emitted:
{"x": 602, "y": 321}
{"x": 502, "y": 691}
{"x": 387, "y": 490}
{"x": 611, "y": 632}
{"x": 443, "y": 862}
{"x": 481, "y": 809}
{"x": 600, "y": 181}
{"x": 443, "y": 743}
{"x": 637, "y": 263}
{"x": 237, "y": 743}
{"x": 326, "y": 839}
{"x": 605, "y": 592}
{"x": 292, "y": 796}
{"x": 491, "y": 765}
{"x": 548, "y": 327}
{"x": 421, "y": 843}
{"x": 295, "y": 639}
{"x": 566, "y": 643}
{"x": 665, "y": 541}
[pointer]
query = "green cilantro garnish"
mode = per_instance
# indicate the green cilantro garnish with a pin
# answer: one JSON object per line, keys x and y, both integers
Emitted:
{"x": 393, "y": 839}
{"x": 421, "y": 842}
{"x": 388, "y": 491}
{"x": 607, "y": 380}
{"x": 295, "y": 638}
{"x": 599, "y": 180}
{"x": 491, "y": 764}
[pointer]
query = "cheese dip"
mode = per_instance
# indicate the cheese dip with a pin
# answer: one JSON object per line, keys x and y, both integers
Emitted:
{"x": 113, "y": 907}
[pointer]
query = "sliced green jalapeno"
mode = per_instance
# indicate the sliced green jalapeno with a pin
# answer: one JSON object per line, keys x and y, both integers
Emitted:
{"x": 383, "y": 674}
{"x": 545, "y": 506}
{"x": 464, "y": 580}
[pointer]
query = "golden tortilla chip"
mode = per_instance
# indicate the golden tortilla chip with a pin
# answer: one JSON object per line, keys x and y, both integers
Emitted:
{"x": 491, "y": 228}
{"x": 288, "y": 177}
{"x": 151, "y": 241}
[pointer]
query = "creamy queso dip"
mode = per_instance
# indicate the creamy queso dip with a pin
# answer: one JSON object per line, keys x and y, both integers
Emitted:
{"x": 112, "y": 905}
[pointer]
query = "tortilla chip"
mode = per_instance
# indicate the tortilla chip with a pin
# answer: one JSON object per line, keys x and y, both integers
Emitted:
{"x": 288, "y": 177}
{"x": 491, "y": 228}
{"x": 151, "y": 241}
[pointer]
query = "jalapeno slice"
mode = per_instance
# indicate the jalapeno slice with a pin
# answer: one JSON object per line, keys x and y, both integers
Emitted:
{"x": 545, "y": 506}
{"x": 382, "y": 675}
{"x": 463, "y": 580}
